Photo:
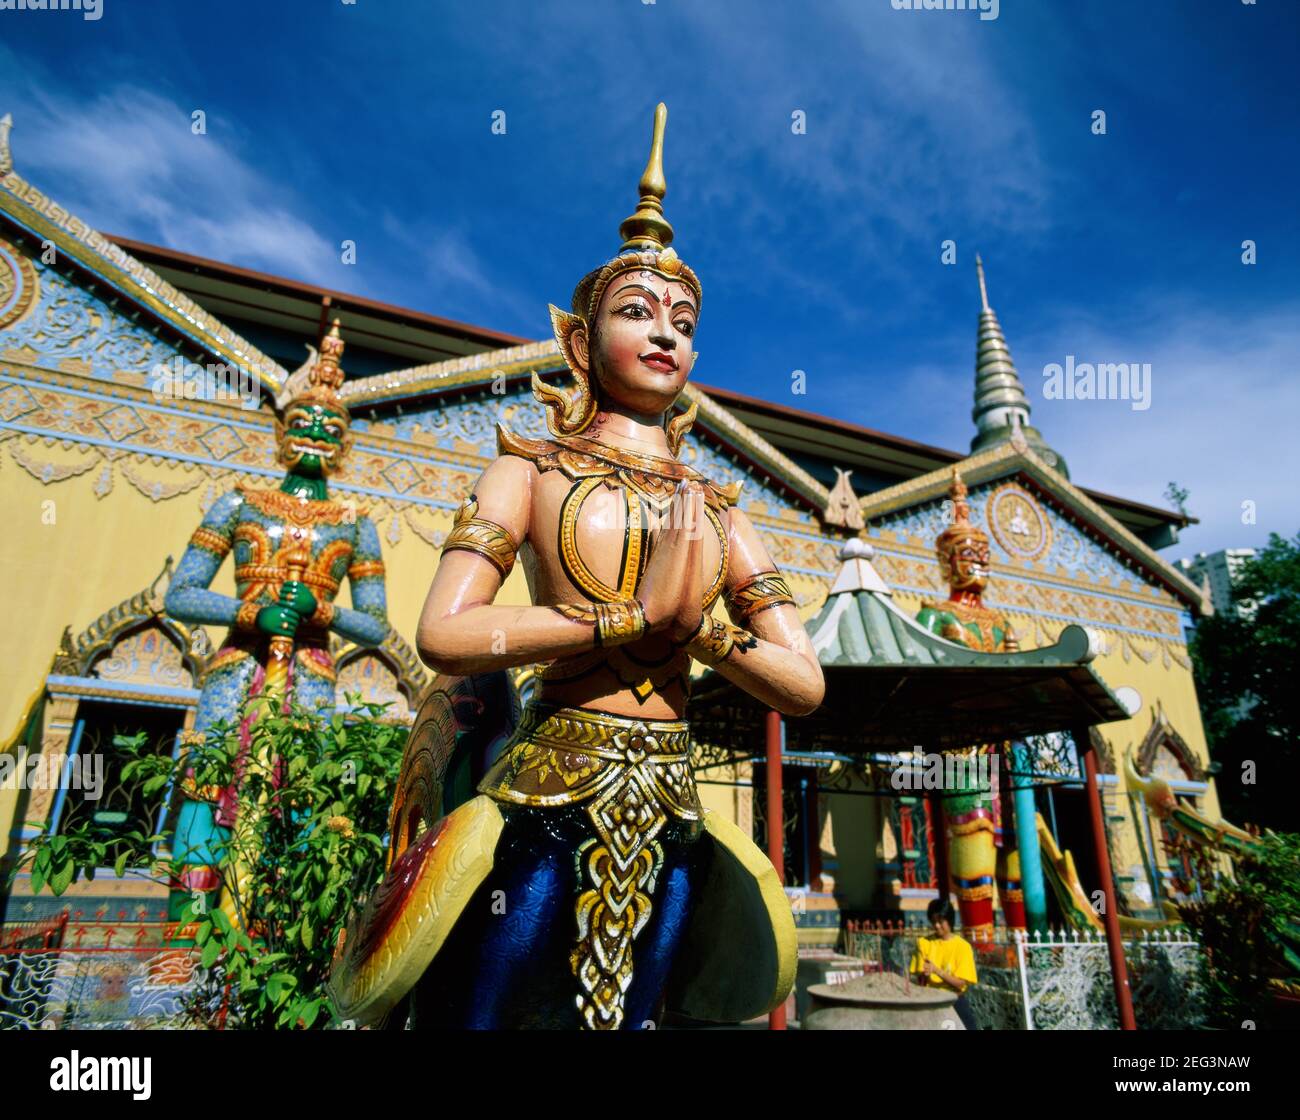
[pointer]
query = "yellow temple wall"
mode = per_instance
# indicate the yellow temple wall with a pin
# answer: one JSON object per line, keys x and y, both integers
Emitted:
{"x": 91, "y": 525}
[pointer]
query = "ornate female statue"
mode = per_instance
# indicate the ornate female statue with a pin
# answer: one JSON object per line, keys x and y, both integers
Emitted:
{"x": 292, "y": 549}
{"x": 585, "y": 886}
{"x": 981, "y": 848}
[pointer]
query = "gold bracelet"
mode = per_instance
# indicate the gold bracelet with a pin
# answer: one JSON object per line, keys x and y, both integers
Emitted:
{"x": 619, "y": 622}
{"x": 758, "y": 593}
{"x": 616, "y": 623}
{"x": 482, "y": 537}
{"x": 246, "y": 615}
{"x": 714, "y": 640}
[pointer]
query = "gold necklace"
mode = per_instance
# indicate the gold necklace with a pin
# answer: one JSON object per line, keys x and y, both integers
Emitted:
{"x": 596, "y": 436}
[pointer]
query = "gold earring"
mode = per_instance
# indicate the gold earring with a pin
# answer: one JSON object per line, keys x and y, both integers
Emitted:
{"x": 568, "y": 411}
{"x": 679, "y": 425}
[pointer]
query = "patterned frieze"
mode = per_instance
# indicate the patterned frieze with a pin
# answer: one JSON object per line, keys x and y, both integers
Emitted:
{"x": 33, "y": 213}
{"x": 58, "y": 425}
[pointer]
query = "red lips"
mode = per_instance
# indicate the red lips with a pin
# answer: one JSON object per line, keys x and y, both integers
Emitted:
{"x": 658, "y": 359}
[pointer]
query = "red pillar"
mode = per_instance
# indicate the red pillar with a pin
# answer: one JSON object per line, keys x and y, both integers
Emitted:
{"x": 939, "y": 837}
{"x": 1118, "y": 966}
{"x": 775, "y": 826}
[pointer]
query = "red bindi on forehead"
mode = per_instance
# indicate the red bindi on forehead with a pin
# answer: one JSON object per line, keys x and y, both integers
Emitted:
{"x": 667, "y": 298}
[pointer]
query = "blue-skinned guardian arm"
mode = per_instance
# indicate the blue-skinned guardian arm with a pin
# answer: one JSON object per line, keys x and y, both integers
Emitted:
{"x": 367, "y": 622}
{"x": 188, "y": 597}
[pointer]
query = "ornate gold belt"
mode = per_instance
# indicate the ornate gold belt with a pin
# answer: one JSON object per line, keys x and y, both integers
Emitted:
{"x": 564, "y": 756}
{"x": 633, "y": 774}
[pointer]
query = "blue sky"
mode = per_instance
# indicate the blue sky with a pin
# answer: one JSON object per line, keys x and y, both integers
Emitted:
{"x": 818, "y": 252}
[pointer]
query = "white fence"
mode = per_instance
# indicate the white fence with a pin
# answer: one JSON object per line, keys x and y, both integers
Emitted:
{"x": 1063, "y": 982}
{"x": 95, "y": 989}
{"x": 1060, "y": 981}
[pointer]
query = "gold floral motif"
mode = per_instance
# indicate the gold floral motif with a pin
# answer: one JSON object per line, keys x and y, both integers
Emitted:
{"x": 578, "y": 457}
{"x": 564, "y": 756}
{"x": 613, "y": 910}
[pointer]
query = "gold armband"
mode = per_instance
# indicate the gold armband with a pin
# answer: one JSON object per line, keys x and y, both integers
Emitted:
{"x": 766, "y": 589}
{"x": 713, "y": 642}
{"x": 486, "y": 538}
{"x": 210, "y": 541}
{"x": 616, "y": 623}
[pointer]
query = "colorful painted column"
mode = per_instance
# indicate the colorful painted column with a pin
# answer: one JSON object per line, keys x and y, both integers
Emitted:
{"x": 1032, "y": 887}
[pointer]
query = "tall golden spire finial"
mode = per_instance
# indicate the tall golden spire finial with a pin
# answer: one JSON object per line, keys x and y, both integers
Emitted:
{"x": 648, "y": 228}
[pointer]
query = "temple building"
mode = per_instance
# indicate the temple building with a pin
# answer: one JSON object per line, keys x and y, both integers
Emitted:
{"x": 105, "y": 471}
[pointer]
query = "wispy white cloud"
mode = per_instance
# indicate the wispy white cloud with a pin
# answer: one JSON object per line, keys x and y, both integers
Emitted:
{"x": 127, "y": 162}
{"x": 1225, "y": 397}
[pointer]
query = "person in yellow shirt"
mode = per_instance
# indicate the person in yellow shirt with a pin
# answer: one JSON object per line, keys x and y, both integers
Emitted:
{"x": 946, "y": 960}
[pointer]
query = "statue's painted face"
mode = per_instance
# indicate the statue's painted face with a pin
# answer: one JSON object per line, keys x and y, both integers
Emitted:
{"x": 968, "y": 565}
{"x": 641, "y": 343}
{"x": 314, "y": 440}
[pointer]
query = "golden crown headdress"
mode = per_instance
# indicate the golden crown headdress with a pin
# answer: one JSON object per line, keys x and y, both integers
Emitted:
{"x": 961, "y": 529}
{"x": 647, "y": 236}
{"x": 325, "y": 377}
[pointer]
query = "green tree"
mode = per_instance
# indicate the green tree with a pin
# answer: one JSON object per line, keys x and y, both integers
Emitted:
{"x": 1250, "y": 929}
{"x": 317, "y": 792}
{"x": 1247, "y": 668}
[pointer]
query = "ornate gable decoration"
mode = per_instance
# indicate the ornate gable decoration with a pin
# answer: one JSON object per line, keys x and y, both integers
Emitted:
{"x": 1031, "y": 492}
{"x": 40, "y": 217}
{"x": 136, "y": 642}
{"x": 1018, "y": 523}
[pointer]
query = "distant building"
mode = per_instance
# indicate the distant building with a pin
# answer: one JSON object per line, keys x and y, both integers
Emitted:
{"x": 1221, "y": 570}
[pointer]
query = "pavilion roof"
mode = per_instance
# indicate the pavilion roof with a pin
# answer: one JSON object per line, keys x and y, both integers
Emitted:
{"x": 892, "y": 685}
